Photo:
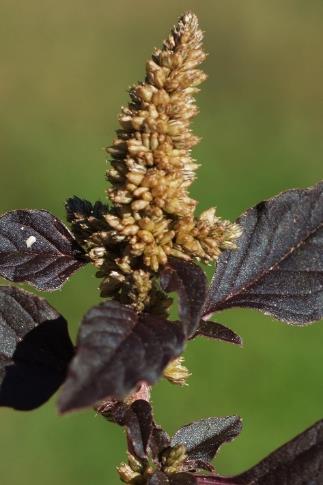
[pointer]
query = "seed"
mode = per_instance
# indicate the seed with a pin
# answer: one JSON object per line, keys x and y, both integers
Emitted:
{"x": 135, "y": 177}
{"x": 113, "y": 221}
{"x": 147, "y": 196}
{"x": 139, "y": 191}
{"x": 167, "y": 238}
{"x": 146, "y": 223}
{"x": 154, "y": 262}
{"x": 136, "y": 122}
{"x": 154, "y": 141}
{"x": 162, "y": 256}
{"x": 130, "y": 230}
{"x": 135, "y": 149}
{"x": 145, "y": 92}
{"x": 139, "y": 205}
{"x": 146, "y": 236}
{"x": 98, "y": 252}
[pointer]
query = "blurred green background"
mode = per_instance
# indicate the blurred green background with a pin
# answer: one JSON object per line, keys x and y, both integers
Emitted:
{"x": 65, "y": 67}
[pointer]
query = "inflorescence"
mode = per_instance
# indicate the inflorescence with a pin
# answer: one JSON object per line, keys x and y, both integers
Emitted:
{"x": 152, "y": 215}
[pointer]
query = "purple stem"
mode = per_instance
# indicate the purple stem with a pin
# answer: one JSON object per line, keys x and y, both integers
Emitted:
{"x": 215, "y": 481}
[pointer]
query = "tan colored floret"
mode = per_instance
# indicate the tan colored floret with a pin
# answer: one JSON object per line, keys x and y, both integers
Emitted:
{"x": 176, "y": 372}
{"x": 152, "y": 215}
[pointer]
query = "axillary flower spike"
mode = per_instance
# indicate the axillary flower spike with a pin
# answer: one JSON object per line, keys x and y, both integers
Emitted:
{"x": 152, "y": 215}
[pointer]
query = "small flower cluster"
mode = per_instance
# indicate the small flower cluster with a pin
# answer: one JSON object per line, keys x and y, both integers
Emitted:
{"x": 136, "y": 473}
{"x": 152, "y": 214}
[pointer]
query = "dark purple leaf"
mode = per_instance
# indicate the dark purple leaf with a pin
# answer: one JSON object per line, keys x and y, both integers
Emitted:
{"x": 143, "y": 416}
{"x": 35, "y": 349}
{"x": 37, "y": 248}
{"x": 137, "y": 419}
{"x": 118, "y": 349}
{"x": 203, "y": 438}
{"x": 217, "y": 331}
{"x": 158, "y": 478}
{"x": 142, "y": 432}
{"x": 299, "y": 462}
{"x": 159, "y": 441}
{"x": 278, "y": 267}
{"x": 191, "y": 284}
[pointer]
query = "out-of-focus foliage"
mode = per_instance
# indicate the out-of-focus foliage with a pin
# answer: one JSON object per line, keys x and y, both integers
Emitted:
{"x": 65, "y": 67}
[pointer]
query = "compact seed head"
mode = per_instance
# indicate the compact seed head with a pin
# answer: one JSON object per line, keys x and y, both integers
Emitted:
{"x": 152, "y": 215}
